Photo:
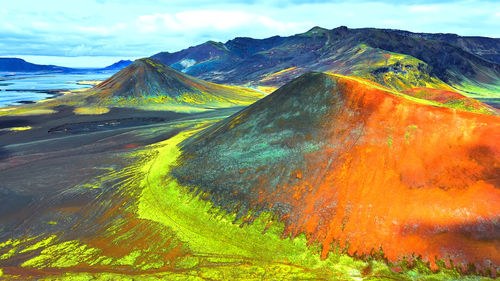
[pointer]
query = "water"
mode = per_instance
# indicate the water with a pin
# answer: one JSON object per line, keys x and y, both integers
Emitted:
{"x": 21, "y": 88}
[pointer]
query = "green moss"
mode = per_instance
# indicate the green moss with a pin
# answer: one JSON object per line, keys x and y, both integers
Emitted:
{"x": 475, "y": 89}
{"x": 40, "y": 244}
{"x": 64, "y": 254}
{"x": 128, "y": 259}
{"x": 13, "y": 246}
{"x": 217, "y": 248}
{"x": 196, "y": 224}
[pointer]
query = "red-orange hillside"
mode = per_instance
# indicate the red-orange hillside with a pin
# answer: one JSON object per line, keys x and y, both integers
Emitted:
{"x": 344, "y": 161}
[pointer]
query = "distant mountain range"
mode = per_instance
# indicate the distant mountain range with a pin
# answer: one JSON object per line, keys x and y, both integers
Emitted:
{"x": 20, "y": 65}
{"x": 398, "y": 59}
{"x": 485, "y": 47}
{"x": 118, "y": 65}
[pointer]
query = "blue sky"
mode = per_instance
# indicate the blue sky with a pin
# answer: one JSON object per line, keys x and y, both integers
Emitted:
{"x": 99, "y": 32}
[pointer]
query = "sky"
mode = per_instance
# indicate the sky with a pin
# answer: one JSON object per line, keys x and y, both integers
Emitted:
{"x": 95, "y": 33}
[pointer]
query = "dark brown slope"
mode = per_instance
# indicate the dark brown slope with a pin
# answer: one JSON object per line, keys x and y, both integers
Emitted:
{"x": 485, "y": 47}
{"x": 340, "y": 50}
{"x": 149, "y": 80}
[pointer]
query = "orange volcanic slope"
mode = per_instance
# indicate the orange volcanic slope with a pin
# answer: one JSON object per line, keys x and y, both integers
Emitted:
{"x": 380, "y": 171}
{"x": 414, "y": 182}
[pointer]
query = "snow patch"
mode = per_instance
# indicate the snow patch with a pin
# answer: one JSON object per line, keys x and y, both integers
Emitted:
{"x": 186, "y": 63}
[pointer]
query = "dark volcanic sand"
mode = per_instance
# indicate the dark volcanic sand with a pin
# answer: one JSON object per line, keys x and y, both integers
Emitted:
{"x": 41, "y": 168}
{"x": 64, "y": 116}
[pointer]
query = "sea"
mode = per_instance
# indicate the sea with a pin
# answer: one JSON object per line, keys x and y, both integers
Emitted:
{"x": 22, "y": 88}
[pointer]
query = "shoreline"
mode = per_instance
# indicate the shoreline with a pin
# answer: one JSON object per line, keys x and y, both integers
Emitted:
{"x": 51, "y": 93}
{"x": 18, "y": 89}
{"x": 89, "y": 82}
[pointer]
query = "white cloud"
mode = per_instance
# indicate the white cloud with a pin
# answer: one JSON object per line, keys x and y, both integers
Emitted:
{"x": 102, "y": 30}
{"x": 11, "y": 27}
{"x": 79, "y": 50}
{"x": 142, "y": 28}
{"x": 219, "y": 20}
{"x": 40, "y": 24}
{"x": 149, "y": 23}
{"x": 424, "y": 8}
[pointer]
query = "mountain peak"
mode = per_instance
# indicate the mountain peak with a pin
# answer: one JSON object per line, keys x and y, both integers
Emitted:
{"x": 148, "y": 81}
{"x": 315, "y": 31}
{"x": 305, "y": 152}
{"x": 145, "y": 76}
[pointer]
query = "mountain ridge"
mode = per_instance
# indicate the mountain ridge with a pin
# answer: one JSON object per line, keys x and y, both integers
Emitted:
{"x": 20, "y": 65}
{"x": 13, "y": 64}
{"x": 244, "y": 60}
{"x": 118, "y": 65}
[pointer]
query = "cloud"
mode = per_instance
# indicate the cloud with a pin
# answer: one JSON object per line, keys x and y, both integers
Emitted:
{"x": 141, "y": 28}
{"x": 40, "y": 25}
{"x": 424, "y": 8}
{"x": 219, "y": 20}
{"x": 102, "y": 30}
